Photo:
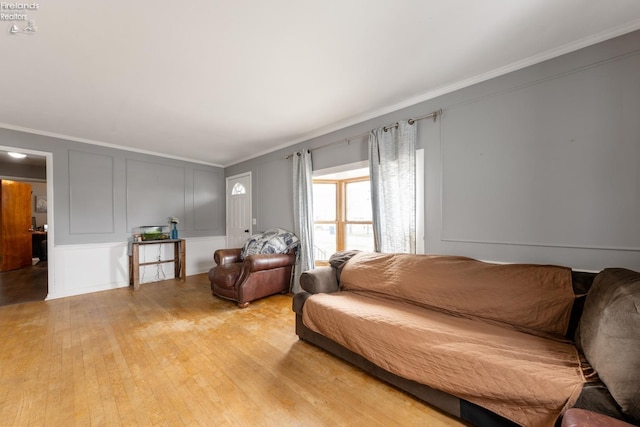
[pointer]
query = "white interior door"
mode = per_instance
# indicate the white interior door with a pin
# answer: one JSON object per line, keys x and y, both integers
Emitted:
{"x": 238, "y": 210}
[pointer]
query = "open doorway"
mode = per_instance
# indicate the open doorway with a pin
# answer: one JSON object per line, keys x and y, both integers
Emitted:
{"x": 25, "y": 232}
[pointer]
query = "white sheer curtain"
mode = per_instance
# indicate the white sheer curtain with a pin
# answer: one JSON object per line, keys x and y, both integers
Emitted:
{"x": 303, "y": 213}
{"x": 392, "y": 168}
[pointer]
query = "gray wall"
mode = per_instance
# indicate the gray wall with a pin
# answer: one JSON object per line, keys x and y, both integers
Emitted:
{"x": 9, "y": 169}
{"x": 103, "y": 194}
{"x": 539, "y": 165}
{"x": 38, "y": 189}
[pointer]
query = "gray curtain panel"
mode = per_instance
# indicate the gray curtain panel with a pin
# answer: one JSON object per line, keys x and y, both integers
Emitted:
{"x": 392, "y": 168}
{"x": 303, "y": 213}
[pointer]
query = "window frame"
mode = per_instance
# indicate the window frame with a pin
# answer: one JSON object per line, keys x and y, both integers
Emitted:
{"x": 341, "y": 221}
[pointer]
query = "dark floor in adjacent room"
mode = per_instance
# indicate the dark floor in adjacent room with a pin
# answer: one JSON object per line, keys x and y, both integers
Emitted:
{"x": 23, "y": 285}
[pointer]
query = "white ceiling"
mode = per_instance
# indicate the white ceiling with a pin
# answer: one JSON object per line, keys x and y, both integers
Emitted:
{"x": 220, "y": 81}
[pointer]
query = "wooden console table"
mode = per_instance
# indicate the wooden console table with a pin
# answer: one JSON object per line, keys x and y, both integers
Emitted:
{"x": 178, "y": 260}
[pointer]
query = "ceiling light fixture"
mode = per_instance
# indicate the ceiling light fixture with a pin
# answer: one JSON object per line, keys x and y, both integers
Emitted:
{"x": 17, "y": 155}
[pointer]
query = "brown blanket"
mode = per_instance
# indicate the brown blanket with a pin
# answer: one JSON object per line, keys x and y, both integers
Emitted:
{"x": 530, "y": 297}
{"x": 525, "y": 378}
{"x": 488, "y": 333}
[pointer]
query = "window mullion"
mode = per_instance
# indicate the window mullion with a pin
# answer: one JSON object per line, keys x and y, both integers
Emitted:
{"x": 340, "y": 215}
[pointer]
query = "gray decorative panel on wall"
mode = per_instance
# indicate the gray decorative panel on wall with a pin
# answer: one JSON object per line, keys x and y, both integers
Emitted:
{"x": 154, "y": 193}
{"x": 90, "y": 193}
{"x": 275, "y": 201}
{"x": 207, "y": 199}
{"x": 553, "y": 163}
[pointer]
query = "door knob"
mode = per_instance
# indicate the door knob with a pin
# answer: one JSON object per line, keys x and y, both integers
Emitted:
{"x": 246, "y": 231}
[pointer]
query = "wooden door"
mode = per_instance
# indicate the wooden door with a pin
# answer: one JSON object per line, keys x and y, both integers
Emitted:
{"x": 238, "y": 210}
{"x": 15, "y": 221}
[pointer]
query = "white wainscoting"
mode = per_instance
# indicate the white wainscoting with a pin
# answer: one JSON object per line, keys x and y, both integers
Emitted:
{"x": 81, "y": 269}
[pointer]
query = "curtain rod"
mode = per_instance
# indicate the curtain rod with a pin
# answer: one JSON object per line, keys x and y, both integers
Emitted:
{"x": 433, "y": 115}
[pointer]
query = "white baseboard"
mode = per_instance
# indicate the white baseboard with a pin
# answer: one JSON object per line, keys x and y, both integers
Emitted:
{"x": 81, "y": 269}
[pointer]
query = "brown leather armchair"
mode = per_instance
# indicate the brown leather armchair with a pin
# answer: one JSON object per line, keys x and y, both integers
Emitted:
{"x": 255, "y": 277}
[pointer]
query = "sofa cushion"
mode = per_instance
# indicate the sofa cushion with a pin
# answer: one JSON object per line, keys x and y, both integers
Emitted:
{"x": 534, "y": 298}
{"x": 525, "y": 378}
{"x": 609, "y": 335}
{"x": 339, "y": 259}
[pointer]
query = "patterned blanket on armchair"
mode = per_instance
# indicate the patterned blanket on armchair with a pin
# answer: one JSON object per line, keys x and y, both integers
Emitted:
{"x": 272, "y": 241}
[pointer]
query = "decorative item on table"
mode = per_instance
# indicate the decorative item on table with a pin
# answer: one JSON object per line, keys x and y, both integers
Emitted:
{"x": 174, "y": 230}
{"x": 154, "y": 232}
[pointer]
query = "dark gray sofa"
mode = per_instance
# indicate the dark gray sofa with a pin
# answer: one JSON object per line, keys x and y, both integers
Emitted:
{"x": 608, "y": 334}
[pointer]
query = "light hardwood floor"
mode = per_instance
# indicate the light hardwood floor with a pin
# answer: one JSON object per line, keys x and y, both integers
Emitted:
{"x": 171, "y": 354}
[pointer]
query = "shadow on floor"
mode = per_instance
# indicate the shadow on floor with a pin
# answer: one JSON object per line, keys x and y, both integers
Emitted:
{"x": 24, "y": 285}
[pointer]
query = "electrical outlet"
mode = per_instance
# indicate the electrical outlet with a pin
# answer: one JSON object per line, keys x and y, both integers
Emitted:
{"x": 255, "y": 221}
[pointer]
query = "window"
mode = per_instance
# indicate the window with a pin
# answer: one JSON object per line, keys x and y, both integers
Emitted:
{"x": 238, "y": 189}
{"x": 342, "y": 216}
